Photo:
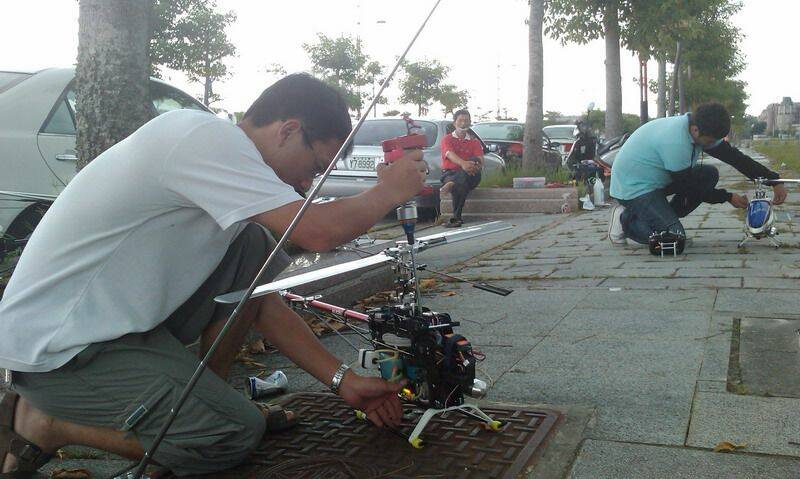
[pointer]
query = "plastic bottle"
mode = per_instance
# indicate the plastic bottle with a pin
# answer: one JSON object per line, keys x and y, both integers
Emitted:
{"x": 598, "y": 191}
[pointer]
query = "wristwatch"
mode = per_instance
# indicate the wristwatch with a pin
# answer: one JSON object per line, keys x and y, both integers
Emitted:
{"x": 337, "y": 378}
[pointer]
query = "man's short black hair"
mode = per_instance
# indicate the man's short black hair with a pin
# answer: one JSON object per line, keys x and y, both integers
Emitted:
{"x": 460, "y": 112}
{"x": 712, "y": 119}
{"x": 319, "y": 107}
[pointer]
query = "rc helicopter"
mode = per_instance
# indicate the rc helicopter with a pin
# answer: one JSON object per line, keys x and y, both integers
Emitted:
{"x": 760, "y": 217}
{"x": 405, "y": 340}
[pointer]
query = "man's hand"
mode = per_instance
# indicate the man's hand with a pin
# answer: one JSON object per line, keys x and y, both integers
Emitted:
{"x": 374, "y": 396}
{"x": 404, "y": 177}
{"x": 739, "y": 201}
{"x": 471, "y": 167}
{"x": 778, "y": 194}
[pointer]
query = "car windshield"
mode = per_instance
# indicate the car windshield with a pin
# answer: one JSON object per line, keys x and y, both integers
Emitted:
{"x": 373, "y": 132}
{"x": 9, "y": 79}
{"x": 499, "y": 131}
{"x": 559, "y": 131}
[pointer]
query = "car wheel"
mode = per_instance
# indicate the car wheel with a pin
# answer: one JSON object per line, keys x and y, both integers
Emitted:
{"x": 23, "y": 225}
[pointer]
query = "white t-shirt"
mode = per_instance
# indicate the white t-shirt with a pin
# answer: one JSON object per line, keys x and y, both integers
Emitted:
{"x": 132, "y": 236}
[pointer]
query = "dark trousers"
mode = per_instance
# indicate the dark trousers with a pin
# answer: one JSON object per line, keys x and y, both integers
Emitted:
{"x": 463, "y": 184}
{"x": 652, "y": 212}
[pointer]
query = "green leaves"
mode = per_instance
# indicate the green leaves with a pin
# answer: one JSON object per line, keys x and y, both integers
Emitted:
{"x": 341, "y": 62}
{"x": 422, "y": 83}
{"x": 189, "y": 36}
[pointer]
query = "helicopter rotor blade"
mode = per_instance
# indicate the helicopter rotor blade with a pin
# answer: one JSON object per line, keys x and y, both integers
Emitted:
{"x": 303, "y": 278}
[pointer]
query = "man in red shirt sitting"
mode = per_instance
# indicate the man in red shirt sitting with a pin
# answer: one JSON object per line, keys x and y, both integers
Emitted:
{"x": 462, "y": 160}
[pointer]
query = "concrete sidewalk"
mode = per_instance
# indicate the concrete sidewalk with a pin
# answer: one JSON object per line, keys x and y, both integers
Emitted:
{"x": 675, "y": 355}
{"x": 669, "y": 356}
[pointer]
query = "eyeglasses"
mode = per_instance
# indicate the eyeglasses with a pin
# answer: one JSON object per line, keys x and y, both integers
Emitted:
{"x": 320, "y": 164}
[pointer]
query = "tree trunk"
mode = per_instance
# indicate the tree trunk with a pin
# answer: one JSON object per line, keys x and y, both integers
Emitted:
{"x": 644, "y": 114}
{"x": 532, "y": 138}
{"x": 661, "y": 100}
{"x": 673, "y": 88}
{"x": 111, "y": 77}
{"x": 207, "y": 91}
{"x": 681, "y": 92}
{"x": 613, "y": 74}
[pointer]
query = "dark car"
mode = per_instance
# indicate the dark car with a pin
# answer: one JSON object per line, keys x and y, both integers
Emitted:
{"x": 507, "y": 137}
{"x": 356, "y": 172}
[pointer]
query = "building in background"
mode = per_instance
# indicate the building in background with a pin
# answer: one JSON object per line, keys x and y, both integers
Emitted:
{"x": 781, "y": 118}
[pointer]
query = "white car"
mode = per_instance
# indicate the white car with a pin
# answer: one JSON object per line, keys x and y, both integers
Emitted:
{"x": 37, "y": 139}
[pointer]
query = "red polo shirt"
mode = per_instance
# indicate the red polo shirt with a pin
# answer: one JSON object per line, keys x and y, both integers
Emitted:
{"x": 465, "y": 149}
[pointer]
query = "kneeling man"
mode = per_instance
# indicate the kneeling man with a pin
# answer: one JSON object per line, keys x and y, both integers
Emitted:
{"x": 660, "y": 160}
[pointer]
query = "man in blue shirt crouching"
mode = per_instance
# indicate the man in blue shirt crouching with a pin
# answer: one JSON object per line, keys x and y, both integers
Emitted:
{"x": 660, "y": 160}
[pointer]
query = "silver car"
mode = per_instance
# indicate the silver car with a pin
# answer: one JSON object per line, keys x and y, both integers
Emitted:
{"x": 356, "y": 172}
{"x": 37, "y": 138}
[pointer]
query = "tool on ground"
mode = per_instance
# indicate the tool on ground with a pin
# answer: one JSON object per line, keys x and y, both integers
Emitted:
{"x": 759, "y": 221}
{"x": 148, "y": 455}
{"x": 258, "y": 388}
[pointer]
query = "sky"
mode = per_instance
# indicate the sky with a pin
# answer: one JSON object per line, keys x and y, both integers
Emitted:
{"x": 485, "y": 44}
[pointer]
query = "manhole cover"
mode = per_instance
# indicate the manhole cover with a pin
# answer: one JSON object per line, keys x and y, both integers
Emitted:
{"x": 330, "y": 442}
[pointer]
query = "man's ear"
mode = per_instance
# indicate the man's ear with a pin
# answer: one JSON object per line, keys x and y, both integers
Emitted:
{"x": 288, "y": 128}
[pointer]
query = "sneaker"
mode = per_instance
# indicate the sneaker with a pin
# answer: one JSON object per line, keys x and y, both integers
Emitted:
{"x": 615, "y": 232}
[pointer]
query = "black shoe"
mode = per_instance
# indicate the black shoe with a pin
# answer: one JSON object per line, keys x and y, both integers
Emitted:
{"x": 453, "y": 223}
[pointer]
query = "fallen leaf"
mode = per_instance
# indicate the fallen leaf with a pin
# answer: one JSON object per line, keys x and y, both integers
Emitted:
{"x": 256, "y": 346}
{"x": 70, "y": 474}
{"x": 428, "y": 284}
{"x": 449, "y": 293}
{"x": 726, "y": 446}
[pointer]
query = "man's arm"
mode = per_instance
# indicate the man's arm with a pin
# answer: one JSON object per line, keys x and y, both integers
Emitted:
{"x": 287, "y": 331}
{"x": 328, "y": 225}
{"x": 748, "y": 167}
{"x": 715, "y": 196}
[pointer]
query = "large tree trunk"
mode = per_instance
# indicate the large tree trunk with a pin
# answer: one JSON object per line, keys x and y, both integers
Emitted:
{"x": 673, "y": 88}
{"x": 613, "y": 74}
{"x": 661, "y": 100}
{"x": 534, "y": 117}
{"x": 644, "y": 114}
{"x": 207, "y": 90}
{"x": 111, "y": 78}
{"x": 682, "y": 93}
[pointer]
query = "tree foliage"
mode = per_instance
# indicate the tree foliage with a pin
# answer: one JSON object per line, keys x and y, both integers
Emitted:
{"x": 342, "y": 63}
{"x": 422, "y": 83}
{"x": 581, "y": 21}
{"x": 189, "y": 36}
{"x": 452, "y": 99}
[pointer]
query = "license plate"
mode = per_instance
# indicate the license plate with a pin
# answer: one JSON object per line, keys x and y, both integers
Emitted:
{"x": 364, "y": 163}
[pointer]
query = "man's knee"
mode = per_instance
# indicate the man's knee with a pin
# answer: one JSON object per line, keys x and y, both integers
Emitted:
{"x": 254, "y": 427}
{"x": 708, "y": 175}
{"x": 215, "y": 450}
{"x": 253, "y": 238}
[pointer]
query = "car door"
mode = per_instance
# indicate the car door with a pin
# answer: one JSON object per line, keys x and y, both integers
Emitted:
{"x": 56, "y": 140}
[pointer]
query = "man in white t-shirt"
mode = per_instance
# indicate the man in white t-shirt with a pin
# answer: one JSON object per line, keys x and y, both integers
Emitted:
{"x": 121, "y": 274}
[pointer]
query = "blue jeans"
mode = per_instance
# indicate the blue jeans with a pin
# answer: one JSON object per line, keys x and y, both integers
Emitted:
{"x": 652, "y": 212}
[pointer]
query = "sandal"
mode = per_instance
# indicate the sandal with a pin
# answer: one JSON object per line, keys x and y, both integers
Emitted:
{"x": 277, "y": 420}
{"x": 30, "y": 457}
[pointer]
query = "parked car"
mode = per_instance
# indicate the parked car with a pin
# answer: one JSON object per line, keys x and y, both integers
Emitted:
{"x": 564, "y": 135}
{"x": 508, "y": 135}
{"x": 37, "y": 138}
{"x": 356, "y": 172}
